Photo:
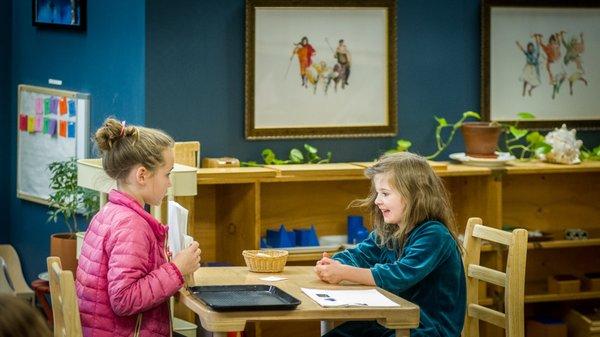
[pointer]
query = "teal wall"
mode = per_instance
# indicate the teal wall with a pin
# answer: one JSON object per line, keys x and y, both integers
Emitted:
{"x": 107, "y": 61}
{"x": 179, "y": 65}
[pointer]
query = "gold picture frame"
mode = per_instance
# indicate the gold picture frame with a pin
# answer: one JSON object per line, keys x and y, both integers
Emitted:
{"x": 541, "y": 57}
{"x": 320, "y": 69}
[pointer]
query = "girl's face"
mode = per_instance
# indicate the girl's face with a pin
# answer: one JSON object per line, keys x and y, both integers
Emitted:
{"x": 158, "y": 181}
{"x": 389, "y": 201}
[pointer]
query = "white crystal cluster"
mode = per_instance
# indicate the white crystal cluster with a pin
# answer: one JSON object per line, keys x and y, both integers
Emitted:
{"x": 565, "y": 147}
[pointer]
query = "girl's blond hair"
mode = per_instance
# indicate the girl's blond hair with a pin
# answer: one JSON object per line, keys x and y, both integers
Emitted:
{"x": 422, "y": 190}
{"x": 124, "y": 146}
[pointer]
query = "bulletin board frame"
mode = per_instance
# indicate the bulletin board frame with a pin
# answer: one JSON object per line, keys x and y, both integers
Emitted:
{"x": 32, "y": 160}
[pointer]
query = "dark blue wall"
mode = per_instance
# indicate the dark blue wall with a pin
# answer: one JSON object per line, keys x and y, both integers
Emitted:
{"x": 195, "y": 73}
{"x": 5, "y": 129}
{"x": 106, "y": 61}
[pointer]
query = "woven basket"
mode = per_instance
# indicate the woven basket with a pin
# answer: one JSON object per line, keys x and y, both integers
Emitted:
{"x": 266, "y": 260}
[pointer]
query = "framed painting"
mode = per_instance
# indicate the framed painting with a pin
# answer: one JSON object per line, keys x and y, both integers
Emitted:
{"x": 541, "y": 57}
{"x": 67, "y": 14}
{"x": 320, "y": 69}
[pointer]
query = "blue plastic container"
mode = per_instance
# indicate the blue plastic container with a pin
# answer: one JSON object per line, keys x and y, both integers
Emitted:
{"x": 281, "y": 238}
{"x": 306, "y": 236}
{"x": 357, "y": 232}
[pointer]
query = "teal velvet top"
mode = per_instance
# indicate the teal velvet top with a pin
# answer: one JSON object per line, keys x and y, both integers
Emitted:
{"x": 429, "y": 273}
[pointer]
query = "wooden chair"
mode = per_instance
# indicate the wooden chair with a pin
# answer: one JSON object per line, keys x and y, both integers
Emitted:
{"x": 14, "y": 273}
{"x": 512, "y": 320}
{"x": 187, "y": 153}
{"x": 64, "y": 300}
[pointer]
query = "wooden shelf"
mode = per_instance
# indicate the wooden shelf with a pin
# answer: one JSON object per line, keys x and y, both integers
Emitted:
{"x": 582, "y": 295}
{"x": 555, "y": 244}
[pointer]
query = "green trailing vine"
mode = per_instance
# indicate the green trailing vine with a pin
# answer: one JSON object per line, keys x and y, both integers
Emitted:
{"x": 442, "y": 138}
{"x": 587, "y": 154}
{"x": 310, "y": 156}
{"x": 522, "y": 143}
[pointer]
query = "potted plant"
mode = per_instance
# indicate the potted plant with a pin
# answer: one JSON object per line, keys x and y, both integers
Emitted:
{"x": 67, "y": 201}
{"x": 481, "y": 138}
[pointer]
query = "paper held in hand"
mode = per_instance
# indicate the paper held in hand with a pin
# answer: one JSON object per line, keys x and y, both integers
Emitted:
{"x": 349, "y": 298}
{"x": 177, "y": 221}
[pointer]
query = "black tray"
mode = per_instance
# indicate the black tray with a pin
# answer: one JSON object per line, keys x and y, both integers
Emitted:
{"x": 245, "y": 297}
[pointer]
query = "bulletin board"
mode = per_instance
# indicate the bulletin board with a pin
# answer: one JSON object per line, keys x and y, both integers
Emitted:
{"x": 52, "y": 125}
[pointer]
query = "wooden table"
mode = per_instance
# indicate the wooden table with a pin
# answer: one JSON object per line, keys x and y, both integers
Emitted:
{"x": 401, "y": 318}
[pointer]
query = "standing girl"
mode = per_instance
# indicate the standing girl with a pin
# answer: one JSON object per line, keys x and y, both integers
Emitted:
{"x": 412, "y": 251}
{"x": 124, "y": 279}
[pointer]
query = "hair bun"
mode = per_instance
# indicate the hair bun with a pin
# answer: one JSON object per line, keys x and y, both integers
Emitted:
{"x": 111, "y": 132}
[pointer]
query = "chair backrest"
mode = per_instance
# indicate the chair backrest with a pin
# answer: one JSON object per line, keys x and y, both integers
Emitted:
{"x": 64, "y": 300}
{"x": 512, "y": 320}
{"x": 187, "y": 153}
{"x": 14, "y": 273}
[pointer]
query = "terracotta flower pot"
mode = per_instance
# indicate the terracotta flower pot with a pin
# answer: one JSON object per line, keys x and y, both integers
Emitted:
{"x": 64, "y": 245}
{"x": 481, "y": 139}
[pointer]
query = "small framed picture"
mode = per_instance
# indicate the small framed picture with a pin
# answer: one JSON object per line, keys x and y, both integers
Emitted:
{"x": 68, "y": 14}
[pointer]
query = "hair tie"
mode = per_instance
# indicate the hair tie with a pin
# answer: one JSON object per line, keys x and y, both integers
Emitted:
{"x": 122, "y": 129}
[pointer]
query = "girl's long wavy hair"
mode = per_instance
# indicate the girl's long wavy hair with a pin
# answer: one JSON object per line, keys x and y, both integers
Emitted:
{"x": 422, "y": 190}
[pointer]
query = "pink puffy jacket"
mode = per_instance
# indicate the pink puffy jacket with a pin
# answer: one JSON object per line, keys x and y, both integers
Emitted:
{"x": 123, "y": 272}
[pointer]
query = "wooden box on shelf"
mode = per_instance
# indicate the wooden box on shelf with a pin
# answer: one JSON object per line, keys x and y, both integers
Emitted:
{"x": 220, "y": 162}
{"x": 583, "y": 324}
{"x": 563, "y": 284}
{"x": 591, "y": 282}
{"x": 546, "y": 328}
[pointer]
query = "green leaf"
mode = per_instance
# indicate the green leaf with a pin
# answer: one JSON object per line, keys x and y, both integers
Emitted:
{"x": 517, "y": 133}
{"x": 441, "y": 121}
{"x": 403, "y": 144}
{"x": 525, "y": 115}
{"x": 310, "y": 149}
{"x": 534, "y": 137}
{"x": 268, "y": 156}
{"x": 472, "y": 114}
{"x": 542, "y": 148}
{"x": 596, "y": 151}
{"x": 296, "y": 156}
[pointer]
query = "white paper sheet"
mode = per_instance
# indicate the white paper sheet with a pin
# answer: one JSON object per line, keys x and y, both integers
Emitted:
{"x": 177, "y": 220}
{"x": 349, "y": 298}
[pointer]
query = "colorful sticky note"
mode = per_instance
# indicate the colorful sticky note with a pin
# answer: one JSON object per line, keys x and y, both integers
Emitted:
{"x": 38, "y": 106}
{"x": 53, "y": 105}
{"x": 72, "y": 108}
{"x": 46, "y": 106}
{"x": 71, "y": 129}
{"x": 39, "y": 123}
{"x": 62, "y": 129}
{"x": 46, "y": 125}
{"x": 62, "y": 105}
{"x": 23, "y": 122}
{"x": 30, "y": 124}
{"x": 52, "y": 127}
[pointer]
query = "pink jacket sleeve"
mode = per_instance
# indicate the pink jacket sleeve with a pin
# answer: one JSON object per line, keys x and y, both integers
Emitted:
{"x": 133, "y": 286}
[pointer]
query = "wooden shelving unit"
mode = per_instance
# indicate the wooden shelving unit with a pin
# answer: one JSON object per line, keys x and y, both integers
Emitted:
{"x": 234, "y": 207}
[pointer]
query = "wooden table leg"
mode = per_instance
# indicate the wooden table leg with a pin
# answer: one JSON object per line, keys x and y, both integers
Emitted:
{"x": 402, "y": 333}
{"x": 326, "y": 326}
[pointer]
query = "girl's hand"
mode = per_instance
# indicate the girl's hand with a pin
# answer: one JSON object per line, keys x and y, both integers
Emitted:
{"x": 326, "y": 259}
{"x": 188, "y": 260}
{"x": 330, "y": 271}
